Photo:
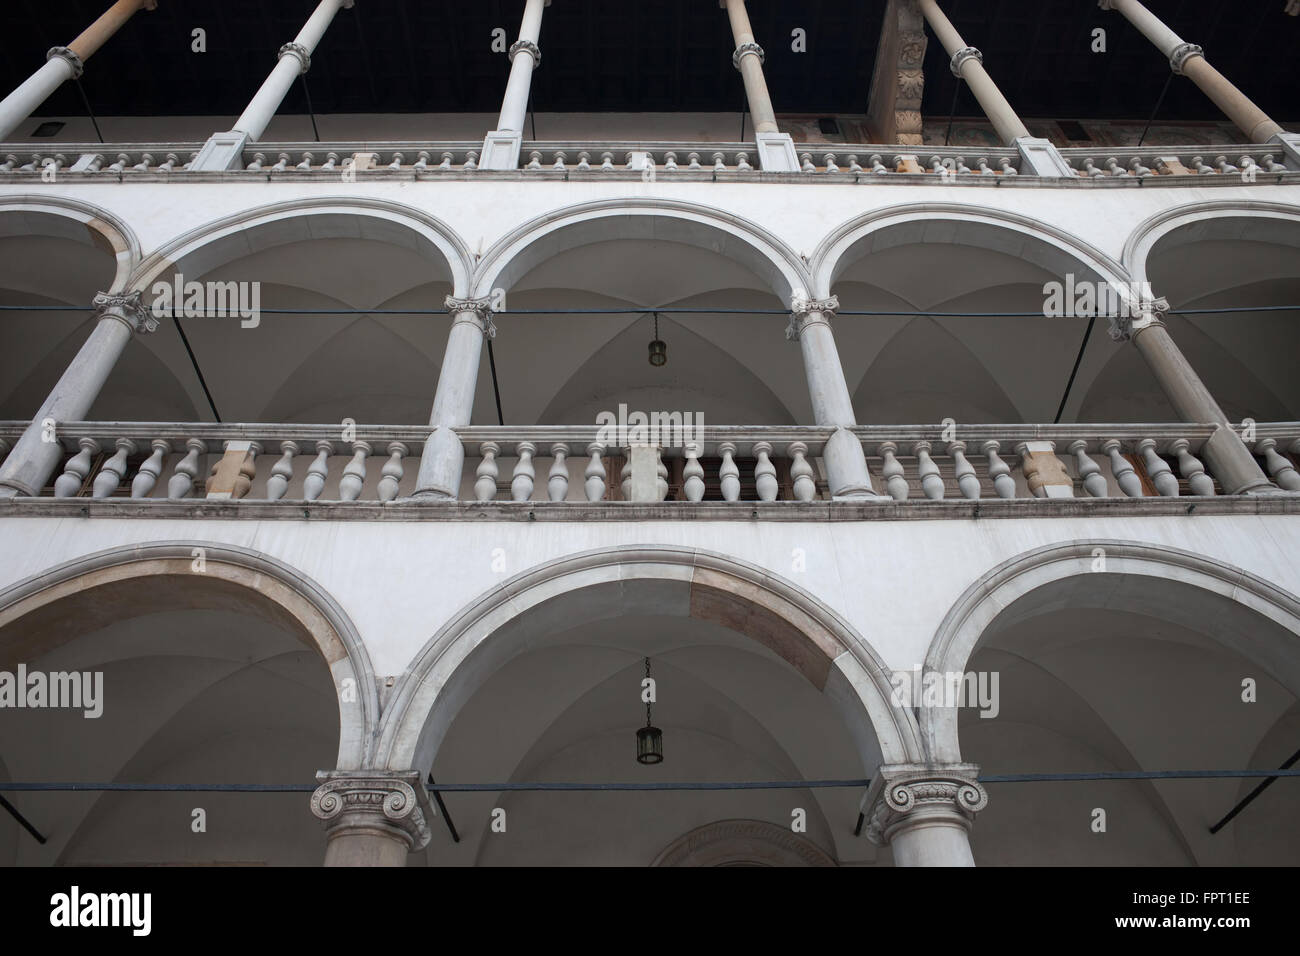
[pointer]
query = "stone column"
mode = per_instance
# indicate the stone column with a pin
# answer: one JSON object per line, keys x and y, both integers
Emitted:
{"x": 34, "y": 458}
{"x": 846, "y": 464}
{"x": 443, "y": 459}
{"x": 1040, "y": 157}
{"x": 372, "y": 817}
{"x": 924, "y": 813}
{"x": 501, "y": 148}
{"x": 1188, "y": 59}
{"x": 748, "y": 59}
{"x": 1226, "y": 455}
{"x": 223, "y": 150}
{"x": 65, "y": 62}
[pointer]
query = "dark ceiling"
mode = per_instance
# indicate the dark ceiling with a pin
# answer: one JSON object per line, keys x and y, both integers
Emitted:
{"x": 641, "y": 55}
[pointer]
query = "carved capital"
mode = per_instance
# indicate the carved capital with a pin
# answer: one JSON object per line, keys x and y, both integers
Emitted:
{"x": 75, "y": 61}
{"x": 532, "y": 49}
{"x": 127, "y": 308}
{"x": 475, "y": 311}
{"x": 1137, "y": 317}
{"x": 904, "y": 795}
{"x": 1182, "y": 53}
{"x": 961, "y": 56}
{"x": 746, "y": 48}
{"x": 807, "y": 312}
{"x": 300, "y": 51}
{"x": 395, "y": 803}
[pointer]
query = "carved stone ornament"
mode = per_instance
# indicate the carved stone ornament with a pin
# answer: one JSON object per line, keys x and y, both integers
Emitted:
{"x": 961, "y": 56}
{"x": 477, "y": 311}
{"x": 531, "y": 47}
{"x": 126, "y": 307}
{"x": 1182, "y": 53}
{"x": 62, "y": 51}
{"x": 298, "y": 50}
{"x": 1126, "y": 325}
{"x": 392, "y": 802}
{"x": 907, "y": 793}
{"x": 743, "y": 49}
{"x": 806, "y": 312}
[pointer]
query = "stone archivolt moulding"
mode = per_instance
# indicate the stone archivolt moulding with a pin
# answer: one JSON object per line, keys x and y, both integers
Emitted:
{"x": 742, "y": 843}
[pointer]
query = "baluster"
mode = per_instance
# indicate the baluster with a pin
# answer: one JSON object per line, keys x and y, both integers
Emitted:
{"x": 967, "y": 481}
{"x": 1122, "y": 469}
{"x": 878, "y": 167}
{"x": 331, "y": 162}
{"x": 999, "y": 471}
{"x": 1191, "y": 468}
{"x": 147, "y": 476}
{"x": 111, "y": 474}
{"x": 693, "y": 161}
{"x": 595, "y": 472}
{"x": 281, "y": 162}
{"x": 693, "y": 473}
{"x": 719, "y": 162}
{"x": 559, "y": 160}
{"x": 728, "y": 473}
{"x": 895, "y": 480}
{"x": 931, "y": 481}
{"x": 584, "y": 160}
{"x": 607, "y": 162}
{"x": 181, "y": 482}
{"x": 742, "y": 163}
{"x": 281, "y": 472}
{"x": 1094, "y": 482}
{"x": 75, "y": 471}
{"x": 557, "y": 479}
{"x": 1282, "y": 471}
{"x": 670, "y": 162}
{"x": 421, "y": 161}
{"x": 855, "y": 166}
{"x": 806, "y": 162}
{"x": 534, "y": 159}
{"x": 829, "y": 162}
{"x": 354, "y": 475}
{"x": 765, "y": 472}
{"x": 805, "y": 484}
{"x": 1159, "y": 471}
{"x": 447, "y": 158}
{"x": 1004, "y": 164}
{"x": 471, "y": 161}
{"x": 661, "y": 475}
{"x": 485, "y": 485}
{"x": 521, "y": 484}
{"x": 398, "y": 160}
{"x": 391, "y": 474}
{"x": 314, "y": 483}
{"x": 305, "y": 165}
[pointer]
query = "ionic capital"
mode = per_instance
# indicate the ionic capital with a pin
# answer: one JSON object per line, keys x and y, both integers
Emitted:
{"x": 298, "y": 50}
{"x": 905, "y": 795}
{"x": 961, "y": 56}
{"x": 532, "y": 49}
{"x": 127, "y": 308}
{"x": 74, "y": 61}
{"x": 808, "y": 312}
{"x": 394, "y": 803}
{"x": 1134, "y": 319}
{"x": 1182, "y": 53}
{"x": 744, "y": 50}
{"x": 474, "y": 311}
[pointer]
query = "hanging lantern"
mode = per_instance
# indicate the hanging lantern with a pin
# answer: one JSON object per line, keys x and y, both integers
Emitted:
{"x": 658, "y": 348}
{"x": 649, "y": 739}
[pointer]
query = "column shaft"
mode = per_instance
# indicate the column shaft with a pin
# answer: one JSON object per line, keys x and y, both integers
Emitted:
{"x": 1189, "y": 60}
{"x": 514, "y": 105}
{"x": 294, "y": 61}
{"x": 970, "y": 69}
{"x": 34, "y": 91}
{"x": 750, "y": 65}
{"x": 33, "y": 460}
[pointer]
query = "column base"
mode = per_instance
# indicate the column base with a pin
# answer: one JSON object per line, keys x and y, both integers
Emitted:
{"x": 222, "y": 152}
{"x": 776, "y": 153}
{"x": 1038, "y": 157}
{"x": 501, "y": 150}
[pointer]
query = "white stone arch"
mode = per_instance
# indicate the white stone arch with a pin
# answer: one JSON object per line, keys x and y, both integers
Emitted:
{"x": 1219, "y": 219}
{"x": 966, "y": 622}
{"x": 305, "y": 219}
{"x": 517, "y": 253}
{"x": 307, "y": 607}
{"x": 683, "y": 582}
{"x": 84, "y": 221}
{"x": 1021, "y": 236}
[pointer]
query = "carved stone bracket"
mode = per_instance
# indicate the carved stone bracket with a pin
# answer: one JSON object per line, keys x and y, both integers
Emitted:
{"x": 395, "y": 803}
{"x": 127, "y": 308}
{"x": 808, "y": 312}
{"x": 532, "y": 49}
{"x": 298, "y": 50}
{"x": 78, "y": 67}
{"x": 905, "y": 794}
{"x": 747, "y": 48}
{"x": 475, "y": 311}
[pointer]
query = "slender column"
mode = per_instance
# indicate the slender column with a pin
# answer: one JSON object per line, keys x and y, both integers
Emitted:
{"x": 775, "y": 149}
{"x": 65, "y": 62}
{"x": 501, "y": 147}
{"x": 443, "y": 459}
{"x": 1188, "y": 59}
{"x": 37, "y": 453}
{"x": 1229, "y": 460}
{"x": 372, "y": 817}
{"x": 924, "y": 813}
{"x": 846, "y": 464}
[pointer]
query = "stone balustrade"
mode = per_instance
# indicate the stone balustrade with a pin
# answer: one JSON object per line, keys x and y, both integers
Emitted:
{"x": 575, "y": 463}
